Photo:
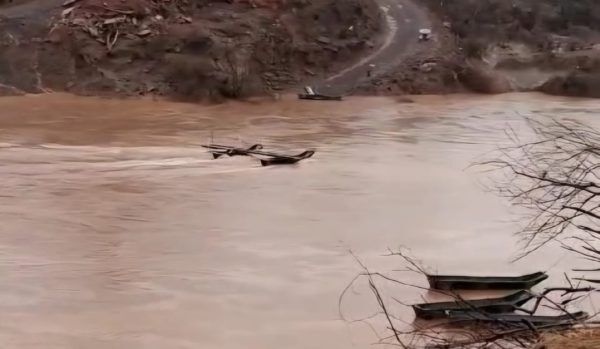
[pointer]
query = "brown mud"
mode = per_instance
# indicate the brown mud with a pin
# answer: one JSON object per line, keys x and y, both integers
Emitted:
{"x": 184, "y": 49}
{"x": 233, "y": 49}
{"x": 578, "y": 339}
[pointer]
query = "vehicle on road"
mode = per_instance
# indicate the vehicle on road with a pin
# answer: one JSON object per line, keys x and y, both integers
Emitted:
{"x": 424, "y": 34}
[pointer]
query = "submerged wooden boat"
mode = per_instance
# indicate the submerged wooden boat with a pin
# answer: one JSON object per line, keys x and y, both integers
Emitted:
{"x": 319, "y": 97}
{"x": 490, "y": 305}
{"x": 286, "y": 160}
{"x": 536, "y": 320}
{"x": 266, "y": 158}
{"x": 219, "y": 150}
{"x": 456, "y": 282}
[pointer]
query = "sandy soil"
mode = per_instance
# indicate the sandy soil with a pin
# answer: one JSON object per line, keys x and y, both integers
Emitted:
{"x": 581, "y": 339}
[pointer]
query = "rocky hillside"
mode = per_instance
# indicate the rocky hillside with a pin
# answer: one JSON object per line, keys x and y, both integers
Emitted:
{"x": 191, "y": 49}
{"x": 211, "y": 49}
{"x": 549, "y": 45}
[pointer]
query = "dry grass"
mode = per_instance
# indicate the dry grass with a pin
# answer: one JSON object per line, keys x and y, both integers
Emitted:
{"x": 578, "y": 339}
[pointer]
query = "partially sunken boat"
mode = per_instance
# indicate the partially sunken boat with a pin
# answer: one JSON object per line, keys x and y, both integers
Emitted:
{"x": 457, "y": 282}
{"x": 266, "y": 158}
{"x": 311, "y": 95}
{"x": 219, "y": 150}
{"x": 504, "y": 304}
{"x": 286, "y": 159}
{"x": 536, "y": 320}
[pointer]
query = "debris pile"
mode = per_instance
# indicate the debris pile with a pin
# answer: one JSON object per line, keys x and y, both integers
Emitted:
{"x": 108, "y": 20}
{"x": 186, "y": 49}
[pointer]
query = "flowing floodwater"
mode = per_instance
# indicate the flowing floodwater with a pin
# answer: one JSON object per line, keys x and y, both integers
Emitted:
{"x": 118, "y": 230}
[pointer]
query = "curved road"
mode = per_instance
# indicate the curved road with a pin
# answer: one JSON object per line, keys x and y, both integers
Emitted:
{"x": 403, "y": 20}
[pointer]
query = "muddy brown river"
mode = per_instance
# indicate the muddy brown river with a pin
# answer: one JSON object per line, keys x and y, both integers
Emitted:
{"x": 117, "y": 230}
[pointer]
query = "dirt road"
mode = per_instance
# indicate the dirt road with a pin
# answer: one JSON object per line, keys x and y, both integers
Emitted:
{"x": 403, "y": 20}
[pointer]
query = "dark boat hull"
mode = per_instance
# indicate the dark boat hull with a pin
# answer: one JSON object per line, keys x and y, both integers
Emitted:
{"x": 286, "y": 160}
{"x": 449, "y": 282}
{"x": 278, "y": 161}
{"x": 218, "y": 154}
{"x": 219, "y": 150}
{"x": 505, "y": 304}
{"x": 318, "y": 97}
{"x": 266, "y": 158}
{"x": 536, "y": 320}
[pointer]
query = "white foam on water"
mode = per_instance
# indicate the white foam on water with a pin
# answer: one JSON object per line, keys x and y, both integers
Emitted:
{"x": 52, "y": 161}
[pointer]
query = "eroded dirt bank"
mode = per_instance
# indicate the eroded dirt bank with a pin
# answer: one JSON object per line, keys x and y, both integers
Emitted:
{"x": 212, "y": 49}
{"x": 180, "y": 48}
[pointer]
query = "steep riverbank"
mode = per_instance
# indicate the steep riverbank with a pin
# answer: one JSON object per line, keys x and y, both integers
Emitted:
{"x": 230, "y": 49}
{"x": 524, "y": 45}
{"x": 177, "y": 48}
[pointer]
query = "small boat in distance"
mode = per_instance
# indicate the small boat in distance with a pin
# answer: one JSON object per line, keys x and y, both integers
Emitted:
{"x": 286, "y": 159}
{"x": 504, "y": 304}
{"x": 456, "y": 282}
{"x": 311, "y": 95}
{"x": 318, "y": 97}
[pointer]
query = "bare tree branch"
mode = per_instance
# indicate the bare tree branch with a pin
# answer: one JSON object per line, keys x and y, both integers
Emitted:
{"x": 556, "y": 179}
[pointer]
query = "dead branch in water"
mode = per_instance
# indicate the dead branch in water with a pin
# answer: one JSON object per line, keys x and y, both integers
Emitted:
{"x": 380, "y": 301}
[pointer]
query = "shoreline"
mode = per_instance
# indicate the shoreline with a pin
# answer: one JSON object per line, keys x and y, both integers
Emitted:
{"x": 292, "y": 97}
{"x": 184, "y": 53}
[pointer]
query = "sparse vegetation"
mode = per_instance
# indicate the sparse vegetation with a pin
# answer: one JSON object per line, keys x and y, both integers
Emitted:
{"x": 558, "y": 36}
{"x": 180, "y": 49}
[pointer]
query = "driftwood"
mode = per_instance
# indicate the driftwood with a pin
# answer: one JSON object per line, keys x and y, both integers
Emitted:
{"x": 107, "y": 25}
{"x": 67, "y": 11}
{"x": 69, "y": 2}
{"x": 110, "y": 43}
{"x": 123, "y": 12}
